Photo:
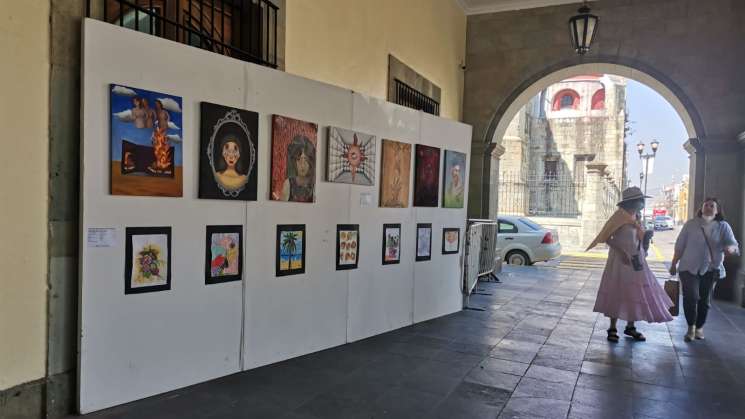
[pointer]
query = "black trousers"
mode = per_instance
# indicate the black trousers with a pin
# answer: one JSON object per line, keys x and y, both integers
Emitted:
{"x": 697, "y": 296}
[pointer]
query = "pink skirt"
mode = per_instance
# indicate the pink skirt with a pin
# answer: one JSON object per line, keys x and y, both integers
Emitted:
{"x": 632, "y": 295}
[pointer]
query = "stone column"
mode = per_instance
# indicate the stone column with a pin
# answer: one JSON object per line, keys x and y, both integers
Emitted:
{"x": 592, "y": 203}
{"x": 496, "y": 156}
{"x": 479, "y": 179}
{"x": 723, "y": 179}
{"x": 696, "y": 160}
{"x": 740, "y": 284}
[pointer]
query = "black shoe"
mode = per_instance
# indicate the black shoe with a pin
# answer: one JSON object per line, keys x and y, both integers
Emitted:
{"x": 631, "y": 331}
{"x": 613, "y": 335}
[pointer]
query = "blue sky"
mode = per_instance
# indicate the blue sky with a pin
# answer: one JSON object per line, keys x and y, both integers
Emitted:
{"x": 652, "y": 117}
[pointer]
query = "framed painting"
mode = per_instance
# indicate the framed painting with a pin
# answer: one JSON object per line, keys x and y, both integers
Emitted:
{"x": 350, "y": 157}
{"x": 146, "y": 143}
{"x": 223, "y": 254}
{"x": 391, "y": 244}
{"x": 347, "y": 246}
{"x": 290, "y": 249}
{"x": 147, "y": 263}
{"x": 450, "y": 240}
{"x": 426, "y": 176}
{"x": 423, "y": 242}
{"x": 293, "y": 159}
{"x": 453, "y": 179}
{"x": 395, "y": 171}
{"x": 228, "y": 153}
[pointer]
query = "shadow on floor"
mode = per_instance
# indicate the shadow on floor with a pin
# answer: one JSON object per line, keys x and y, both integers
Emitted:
{"x": 536, "y": 351}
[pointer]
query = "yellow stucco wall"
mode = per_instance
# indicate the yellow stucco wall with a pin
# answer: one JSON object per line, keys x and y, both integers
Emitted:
{"x": 347, "y": 42}
{"x": 24, "y": 75}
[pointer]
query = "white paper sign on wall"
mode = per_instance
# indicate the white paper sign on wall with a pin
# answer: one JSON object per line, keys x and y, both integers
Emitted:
{"x": 101, "y": 237}
{"x": 366, "y": 199}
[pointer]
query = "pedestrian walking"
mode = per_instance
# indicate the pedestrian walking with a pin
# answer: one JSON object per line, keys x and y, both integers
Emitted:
{"x": 628, "y": 289}
{"x": 699, "y": 255}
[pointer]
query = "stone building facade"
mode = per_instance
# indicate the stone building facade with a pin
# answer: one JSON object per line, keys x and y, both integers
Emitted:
{"x": 550, "y": 143}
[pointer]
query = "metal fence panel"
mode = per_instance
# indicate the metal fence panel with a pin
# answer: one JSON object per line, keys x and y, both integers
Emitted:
{"x": 481, "y": 252}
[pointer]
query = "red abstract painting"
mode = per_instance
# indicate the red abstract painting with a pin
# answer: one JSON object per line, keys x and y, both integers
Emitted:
{"x": 426, "y": 176}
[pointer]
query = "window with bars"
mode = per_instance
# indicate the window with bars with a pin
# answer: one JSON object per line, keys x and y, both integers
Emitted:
{"x": 412, "y": 98}
{"x": 242, "y": 29}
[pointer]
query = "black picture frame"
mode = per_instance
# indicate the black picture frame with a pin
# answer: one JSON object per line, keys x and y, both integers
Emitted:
{"x": 339, "y": 229}
{"x": 387, "y": 227}
{"x": 222, "y": 229}
{"x": 429, "y": 252}
{"x": 444, "y": 232}
{"x": 282, "y": 228}
{"x": 130, "y": 233}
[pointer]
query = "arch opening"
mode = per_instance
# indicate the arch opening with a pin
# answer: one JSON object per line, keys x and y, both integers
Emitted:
{"x": 565, "y": 141}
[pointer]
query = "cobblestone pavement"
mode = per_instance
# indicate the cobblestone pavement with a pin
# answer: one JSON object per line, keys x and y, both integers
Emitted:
{"x": 536, "y": 351}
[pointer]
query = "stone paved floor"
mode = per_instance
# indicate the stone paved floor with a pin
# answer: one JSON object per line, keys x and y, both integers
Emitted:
{"x": 537, "y": 351}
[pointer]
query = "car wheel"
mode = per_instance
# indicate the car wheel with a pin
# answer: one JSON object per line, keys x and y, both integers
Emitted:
{"x": 517, "y": 257}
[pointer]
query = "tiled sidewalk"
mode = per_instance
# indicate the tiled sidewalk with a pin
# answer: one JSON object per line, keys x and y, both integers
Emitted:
{"x": 537, "y": 351}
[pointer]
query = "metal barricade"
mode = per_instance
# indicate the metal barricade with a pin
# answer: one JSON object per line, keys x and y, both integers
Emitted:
{"x": 481, "y": 258}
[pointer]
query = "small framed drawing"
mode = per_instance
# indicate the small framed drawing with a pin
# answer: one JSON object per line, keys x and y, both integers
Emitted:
{"x": 391, "y": 244}
{"x": 147, "y": 264}
{"x": 423, "y": 242}
{"x": 450, "y": 240}
{"x": 347, "y": 246}
{"x": 223, "y": 254}
{"x": 290, "y": 249}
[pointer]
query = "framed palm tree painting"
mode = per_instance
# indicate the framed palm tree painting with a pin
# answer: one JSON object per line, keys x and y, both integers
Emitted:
{"x": 290, "y": 249}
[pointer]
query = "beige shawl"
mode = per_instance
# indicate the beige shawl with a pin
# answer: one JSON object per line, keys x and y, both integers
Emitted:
{"x": 616, "y": 221}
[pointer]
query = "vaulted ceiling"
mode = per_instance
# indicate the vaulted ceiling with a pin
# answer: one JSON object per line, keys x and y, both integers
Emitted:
{"x": 475, "y": 7}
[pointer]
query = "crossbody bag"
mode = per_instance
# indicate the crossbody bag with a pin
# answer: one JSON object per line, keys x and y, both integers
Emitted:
{"x": 711, "y": 253}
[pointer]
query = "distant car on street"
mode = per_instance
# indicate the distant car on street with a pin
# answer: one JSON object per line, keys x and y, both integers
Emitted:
{"x": 664, "y": 222}
{"x": 524, "y": 242}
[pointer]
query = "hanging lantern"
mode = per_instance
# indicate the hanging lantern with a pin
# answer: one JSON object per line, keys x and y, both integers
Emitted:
{"x": 582, "y": 29}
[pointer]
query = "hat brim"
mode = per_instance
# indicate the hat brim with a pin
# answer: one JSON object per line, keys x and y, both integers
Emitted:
{"x": 634, "y": 199}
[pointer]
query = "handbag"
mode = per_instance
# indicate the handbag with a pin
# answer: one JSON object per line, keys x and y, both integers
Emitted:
{"x": 672, "y": 288}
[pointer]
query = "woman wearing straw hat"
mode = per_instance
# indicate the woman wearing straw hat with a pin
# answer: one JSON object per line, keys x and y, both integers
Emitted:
{"x": 628, "y": 289}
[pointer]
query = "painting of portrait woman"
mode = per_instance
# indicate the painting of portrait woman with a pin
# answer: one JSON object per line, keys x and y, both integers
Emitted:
{"x": 228, "y": 162}
{"x": 294, "y": 145}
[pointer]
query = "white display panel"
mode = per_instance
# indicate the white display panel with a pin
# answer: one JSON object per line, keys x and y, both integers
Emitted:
{"x": 135, "y": 346}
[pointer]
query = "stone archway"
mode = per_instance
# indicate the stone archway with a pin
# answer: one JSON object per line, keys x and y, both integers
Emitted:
{"x": 598, "y": 177}
{"x": 487, "y": 151}
{"x": 520, "y": 96}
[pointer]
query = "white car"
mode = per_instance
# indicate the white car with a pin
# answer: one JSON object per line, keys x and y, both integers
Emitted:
{"x": 523, "y": 242}
{"x": 664, "y": 222}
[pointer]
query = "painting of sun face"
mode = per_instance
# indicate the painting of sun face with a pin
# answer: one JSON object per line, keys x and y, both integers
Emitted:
{"x": 423, "y": 242}
{"x": 224, "y": 252}
{"x": 227, "y": 155}
{"x": 395, "y": 172}
{"x": 293, "y": 159}
{"x": 450, "y": 240}
{"x": 146, "y": 143}
{"x": 347, "y": 246}
{"x": 391, "y": 244}
{"x": 351, "y": 157}
{"x": 427, "y": 176}
{"x": 290, "y": 249}
{"x": 147, "y": 259}
{"x": 454, "y": 179}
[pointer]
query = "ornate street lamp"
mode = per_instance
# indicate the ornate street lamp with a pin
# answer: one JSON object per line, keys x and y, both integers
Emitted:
{"x": 655, "y": 144}
{"x": 582, "y": 29}
{"x": 645, "y": 158}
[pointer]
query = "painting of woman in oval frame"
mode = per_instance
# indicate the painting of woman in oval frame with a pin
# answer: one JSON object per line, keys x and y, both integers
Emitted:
{"x": 228, "y": 158}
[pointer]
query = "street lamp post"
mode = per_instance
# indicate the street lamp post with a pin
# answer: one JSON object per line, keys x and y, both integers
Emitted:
{"x": 644, "y": 175}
